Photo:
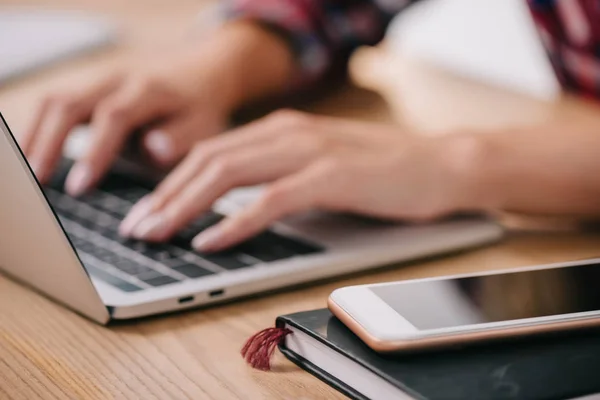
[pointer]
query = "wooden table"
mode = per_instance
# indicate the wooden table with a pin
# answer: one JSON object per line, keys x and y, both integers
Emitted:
{"x": 48, "y": 352}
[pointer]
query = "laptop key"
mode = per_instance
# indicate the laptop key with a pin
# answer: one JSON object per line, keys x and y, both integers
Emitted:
{"x": 123, "y": 264}
{"x": 112, "y": 259}
{"x": 229, "y": 260}
{"x": 132, "y": 268}
{"x": 112, "y": 279}
{"x": 160, "y": 280}
{"x": 269, "y": 246}
{"x": 86, "y": 247}
{"x": 114, "y": 213}
{"x": 113, "y": 235}
{"x": 192, "y": 271}
{"x": 103, "y": 254}
{"x": 86, "y": 223}
{"x": 153, "y": 251}
{"x": 204, "y": 222}
{"x": 131, "y": 195}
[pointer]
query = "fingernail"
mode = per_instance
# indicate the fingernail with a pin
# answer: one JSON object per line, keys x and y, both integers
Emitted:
{"x": 37, "y": 169}
{"x": 138, "y": 212}
{"x": 150, "y": 228}
{"x": 209, "y": 240}
{"x": 79, "y": 180}
{"x": 159, "y": 144}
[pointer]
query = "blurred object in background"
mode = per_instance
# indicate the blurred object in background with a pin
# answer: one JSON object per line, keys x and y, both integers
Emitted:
{"x": 492, "y": 41}
{"x": 464, "y": 65}
{"x": 31, "y": 39}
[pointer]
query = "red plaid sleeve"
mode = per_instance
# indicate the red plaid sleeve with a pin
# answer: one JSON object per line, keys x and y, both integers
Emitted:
{"x": 570, "y": 31}
{"x": 320, "y": 32}
{"x": 324, "y": 32}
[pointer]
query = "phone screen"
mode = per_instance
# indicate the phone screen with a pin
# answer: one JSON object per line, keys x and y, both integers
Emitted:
{"x": 495, "y": 298}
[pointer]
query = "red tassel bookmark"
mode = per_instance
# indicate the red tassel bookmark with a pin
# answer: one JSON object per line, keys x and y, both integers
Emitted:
{"x": 259, "y": 349}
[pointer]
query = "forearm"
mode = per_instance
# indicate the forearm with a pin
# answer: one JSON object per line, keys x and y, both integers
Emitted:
{"x": 252, "y": 62}
{"x": 320, "y": 34}
{"x": 551, "y": 170}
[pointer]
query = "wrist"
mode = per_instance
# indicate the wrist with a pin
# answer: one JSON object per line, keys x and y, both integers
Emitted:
{"x": 466, "y": 159}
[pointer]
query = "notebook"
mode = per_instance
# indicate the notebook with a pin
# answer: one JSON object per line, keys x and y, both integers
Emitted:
{"x": 556, "y": 367}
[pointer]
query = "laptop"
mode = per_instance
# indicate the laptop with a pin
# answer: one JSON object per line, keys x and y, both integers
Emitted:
{"x": 32, "y": 38}
{"x": 69, "y": 250}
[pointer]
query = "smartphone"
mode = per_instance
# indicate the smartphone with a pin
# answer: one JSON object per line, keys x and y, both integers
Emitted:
{"x": 461, "y": 309}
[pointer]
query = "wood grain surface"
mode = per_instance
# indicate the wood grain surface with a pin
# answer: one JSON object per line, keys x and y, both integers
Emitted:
{"x": 47, "y": 352}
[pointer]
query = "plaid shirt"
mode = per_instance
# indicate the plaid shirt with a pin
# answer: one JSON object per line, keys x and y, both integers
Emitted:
{"x": 324, "y": 32}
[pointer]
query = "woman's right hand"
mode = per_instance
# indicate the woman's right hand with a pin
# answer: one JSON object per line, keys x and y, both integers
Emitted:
{"x": 173, "y": 100}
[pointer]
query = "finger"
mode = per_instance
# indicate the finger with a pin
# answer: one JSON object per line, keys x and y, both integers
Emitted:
{"x": 296, "y": 193}
{"x": 245, "y": 167}
{"x": 57, "y": 116}
{"x": 168, "y": 143}
{"x": 114, "y": 120}
{"x": 61, "y": 117}
{"x": 28, "y": 135}
{"x": 253, "y": 134}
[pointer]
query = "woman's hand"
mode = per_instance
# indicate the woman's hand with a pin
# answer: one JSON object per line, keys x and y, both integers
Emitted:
{"x": 173, "y": 100}
{"x": 173, "y": 105}
{"x": 309, "y": 162}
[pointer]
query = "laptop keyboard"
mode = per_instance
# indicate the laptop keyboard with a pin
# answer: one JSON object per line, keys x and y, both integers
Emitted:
{"x": 92, "y": 224}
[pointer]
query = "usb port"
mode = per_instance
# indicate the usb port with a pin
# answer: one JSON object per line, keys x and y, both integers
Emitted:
{"x": 217, "y": 293}
{"x": 187, "y": 299}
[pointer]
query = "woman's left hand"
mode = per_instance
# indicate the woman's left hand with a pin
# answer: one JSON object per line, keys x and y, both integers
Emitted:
{"x": 308, "y": 162}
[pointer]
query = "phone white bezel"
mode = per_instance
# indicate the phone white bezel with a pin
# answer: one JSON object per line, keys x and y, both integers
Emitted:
{"x": 386, "y": 324}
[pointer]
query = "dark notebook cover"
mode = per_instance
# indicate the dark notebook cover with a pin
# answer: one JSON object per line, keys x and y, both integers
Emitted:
{"x": 556, "y": 367}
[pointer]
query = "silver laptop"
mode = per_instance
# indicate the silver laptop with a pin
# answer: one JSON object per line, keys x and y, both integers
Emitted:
{"x": 69, "y": 249}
